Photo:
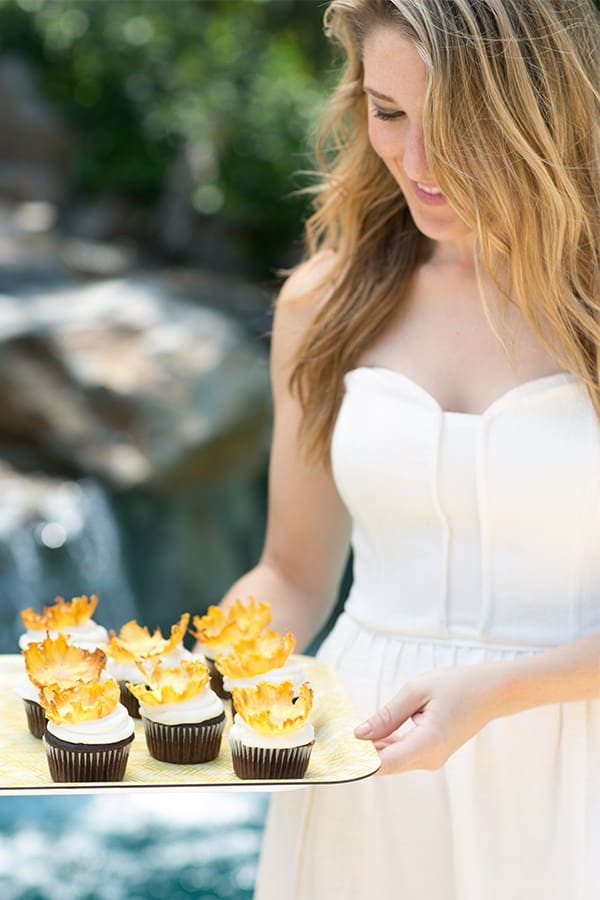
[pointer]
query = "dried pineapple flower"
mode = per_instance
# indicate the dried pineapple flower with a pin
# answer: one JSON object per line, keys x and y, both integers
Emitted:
{"x": 238, "y": 622}
{"x": 268, "y": 708}
{"x": 80, "y": 702}
{"x": 269, "y": 650}
{"x": 135, "y": 642}
{"x": 78, "y": 611}
{"x": 56, "y": 661}
{"x": 171, "y": 685}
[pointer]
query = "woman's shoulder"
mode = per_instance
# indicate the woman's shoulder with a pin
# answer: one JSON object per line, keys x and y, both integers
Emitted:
{"x": 307, "y": 285}
{"x": 300, "y": 299}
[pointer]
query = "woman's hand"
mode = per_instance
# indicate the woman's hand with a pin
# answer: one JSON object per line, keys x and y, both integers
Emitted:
{"x": 447, "y": 707}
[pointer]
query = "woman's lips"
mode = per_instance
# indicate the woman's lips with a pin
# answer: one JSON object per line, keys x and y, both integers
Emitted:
{"x": 426, "y": 198}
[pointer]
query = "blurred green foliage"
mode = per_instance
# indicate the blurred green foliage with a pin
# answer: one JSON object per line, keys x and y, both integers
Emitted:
{"x": 235, "y": 85}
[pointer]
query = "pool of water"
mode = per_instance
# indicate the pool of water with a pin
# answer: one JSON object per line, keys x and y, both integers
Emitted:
{"x": 173, "y": 846}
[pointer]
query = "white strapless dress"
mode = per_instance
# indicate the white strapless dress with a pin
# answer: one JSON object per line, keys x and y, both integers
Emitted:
{"x": 475, "y": 538}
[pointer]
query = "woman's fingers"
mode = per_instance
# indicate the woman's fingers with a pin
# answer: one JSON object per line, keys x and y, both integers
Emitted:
{"x": 419, "y": 748}
{"x": 390, "y": 717}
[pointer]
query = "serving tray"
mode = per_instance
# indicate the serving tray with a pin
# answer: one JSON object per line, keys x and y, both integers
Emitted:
{"x": 337, "y": 756}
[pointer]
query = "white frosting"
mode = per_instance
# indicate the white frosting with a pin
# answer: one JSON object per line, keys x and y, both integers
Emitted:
{"x": 26, "y": 689}
{"x": 292, "y": 671}
{"x": 242, "y": 732}
{"x": 172, "y": 659}
{"x": 205, "y": 705}
{"x": 130, "y": 672}
{"x": 124, "y": 671}
{"x": 88, "y": 636}
{"x": 116, "y": 726}
{"x": 211, "y": 653}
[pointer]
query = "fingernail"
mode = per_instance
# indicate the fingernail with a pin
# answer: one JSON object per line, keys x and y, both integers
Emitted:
{"x": 363, "y": 730}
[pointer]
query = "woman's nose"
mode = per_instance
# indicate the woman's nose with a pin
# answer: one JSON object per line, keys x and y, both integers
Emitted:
{"x": 415, "y": 161}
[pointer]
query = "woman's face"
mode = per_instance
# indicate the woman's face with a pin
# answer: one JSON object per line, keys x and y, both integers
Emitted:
{"x": 394, "y": 83}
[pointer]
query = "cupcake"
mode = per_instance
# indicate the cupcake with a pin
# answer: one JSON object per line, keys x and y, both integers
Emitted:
{"x": 183, "y": 718}
{"x": 220, "y": 629}
{"x": 73, "y": 619}
{"x": 89, "y": 732}
{"x": 270, "y": 736}
{"x": 134, "y": 644}
{"x": 54, "y": 661}
{"x": 265, "y": 657}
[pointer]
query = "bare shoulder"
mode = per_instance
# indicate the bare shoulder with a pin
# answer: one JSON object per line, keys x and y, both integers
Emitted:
{"x": 304, "y": 288}
{"x": 298, "y": 302}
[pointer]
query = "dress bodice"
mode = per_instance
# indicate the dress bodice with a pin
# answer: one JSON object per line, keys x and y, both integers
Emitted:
{"x": 481, "y": 527}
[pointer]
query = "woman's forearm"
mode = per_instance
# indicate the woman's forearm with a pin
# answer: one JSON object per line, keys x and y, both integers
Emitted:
{"x": 565, "y": 673}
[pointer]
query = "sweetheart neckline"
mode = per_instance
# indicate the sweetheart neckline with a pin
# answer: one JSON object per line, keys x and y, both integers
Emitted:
{"x": 560, "y": 377}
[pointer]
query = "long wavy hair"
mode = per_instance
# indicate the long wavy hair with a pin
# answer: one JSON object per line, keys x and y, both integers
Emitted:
{"x": 512, "y": 102}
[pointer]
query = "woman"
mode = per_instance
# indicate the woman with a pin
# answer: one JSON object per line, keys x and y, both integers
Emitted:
{"x": 436, "y": 379}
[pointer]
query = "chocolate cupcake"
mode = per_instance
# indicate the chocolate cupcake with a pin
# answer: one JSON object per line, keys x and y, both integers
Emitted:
{"x": 54, "y": 661}
{"x": 270, "y": 737}
{"x": 183, "y": 718}
{"x": 89, "y": 732}
{"x": 134, "y": 644}
{"x": 221, "y": 629}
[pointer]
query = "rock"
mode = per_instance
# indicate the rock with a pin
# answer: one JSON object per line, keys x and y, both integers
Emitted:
{"x": 132, "y": 384}
{"x": 28, "y": 249}
{"x": 98, "y": 259}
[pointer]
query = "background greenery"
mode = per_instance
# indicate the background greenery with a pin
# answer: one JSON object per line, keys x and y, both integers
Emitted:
{"x": 237, "y": 83}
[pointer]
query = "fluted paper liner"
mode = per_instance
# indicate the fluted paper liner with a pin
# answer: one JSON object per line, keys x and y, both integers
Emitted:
{"x": 264, "y": 762}
{"x": 187, "y": 744}
{"x": 36, "y": 717}
{"x": 337, "y": 756}
{"x": 86, "y": 762}
{"x": 130, "y": 702}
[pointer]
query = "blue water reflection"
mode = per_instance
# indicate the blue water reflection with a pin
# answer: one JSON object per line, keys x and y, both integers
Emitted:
{"x": 174, "y": 846}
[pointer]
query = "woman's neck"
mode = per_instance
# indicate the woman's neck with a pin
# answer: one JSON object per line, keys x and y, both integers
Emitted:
{"x": 459, "y": 253}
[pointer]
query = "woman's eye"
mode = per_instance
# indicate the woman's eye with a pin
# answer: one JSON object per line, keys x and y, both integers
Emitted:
{"x": 386, "y": 116}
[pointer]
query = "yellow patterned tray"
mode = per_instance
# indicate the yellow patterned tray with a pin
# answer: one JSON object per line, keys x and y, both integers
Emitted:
{"x": 337, "y": 755}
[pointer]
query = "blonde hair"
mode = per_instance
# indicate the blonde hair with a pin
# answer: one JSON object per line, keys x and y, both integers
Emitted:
{"x": 513, "y": 103}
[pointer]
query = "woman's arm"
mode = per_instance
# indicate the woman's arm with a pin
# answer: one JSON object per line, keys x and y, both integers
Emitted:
{"x": 449, "y": 706}
{"x": 308, "y": 527}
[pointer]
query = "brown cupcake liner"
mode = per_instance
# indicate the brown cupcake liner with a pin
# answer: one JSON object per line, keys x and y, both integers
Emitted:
{"x": 130, "y": 702}
{"x": 216, "y": 681}
{"x": 86, "y": 762}
{"x": 36, "y": 717}
{"x": 188, "y": 743}
{"x": 264, "y": 762}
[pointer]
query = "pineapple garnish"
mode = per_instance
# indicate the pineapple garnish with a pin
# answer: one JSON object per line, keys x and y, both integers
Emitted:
{"x": 62, "y": 614}
{"x": 80, "y": 702}
{"x": 268, "y": 650}
{"x": 56, "y": 661}
{"x": 171, "y": 685}
{"x": 238, "y": 622}
{"x": 135, "y": 642}
{"x": 268, "y": 708}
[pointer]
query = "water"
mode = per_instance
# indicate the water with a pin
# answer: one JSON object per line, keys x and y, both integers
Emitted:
{"x": 147, "y": 846}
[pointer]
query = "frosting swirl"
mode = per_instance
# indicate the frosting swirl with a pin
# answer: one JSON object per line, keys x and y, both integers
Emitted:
{"x": 87, "y": 636}
{"x": 199, "y": 708}
{"x": 291, "y": 671}
{"x": 116, "y": 726}
{"x": 242, "y": 732}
